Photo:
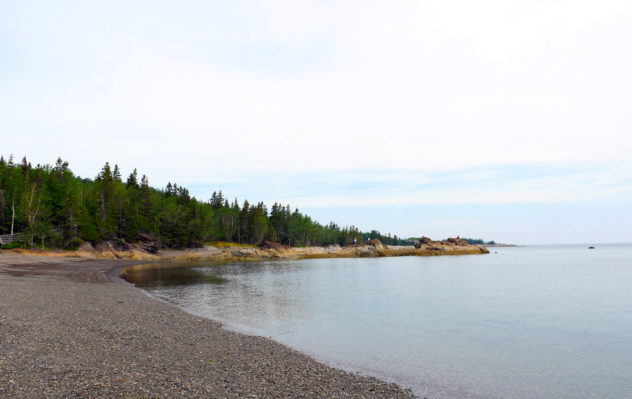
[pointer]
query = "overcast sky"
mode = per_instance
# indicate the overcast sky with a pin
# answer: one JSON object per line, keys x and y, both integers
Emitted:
{"x": 506, "y": 120}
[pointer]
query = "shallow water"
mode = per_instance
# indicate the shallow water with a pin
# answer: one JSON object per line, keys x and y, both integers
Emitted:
{"x": 530, "y": 322}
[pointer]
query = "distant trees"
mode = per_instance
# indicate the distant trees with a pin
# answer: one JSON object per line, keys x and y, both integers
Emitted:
{"x": 53, "y": 207}
{"x": 387, "y": 239}
{"x": 478, "y": 241}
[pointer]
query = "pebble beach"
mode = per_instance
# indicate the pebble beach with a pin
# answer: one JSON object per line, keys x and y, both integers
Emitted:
{"x": 74, "y": 328}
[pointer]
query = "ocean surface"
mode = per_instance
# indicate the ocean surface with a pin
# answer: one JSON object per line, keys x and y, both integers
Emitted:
{"x": 526, "y": 322}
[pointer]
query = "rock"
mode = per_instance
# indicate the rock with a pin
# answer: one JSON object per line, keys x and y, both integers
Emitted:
{"x": 102, "y": 246}
{"x": 423, "y": 240}
{"x": 275, "y": 246}
{"x": 363, "y": 251}
{"x": 86, "y": 246}
{"x": 457, "y": 241}
{"x": 243, "y": 252}
{"x": 149, "y": 243}
{"x": 120, "y": 245}
{"x": 436, "y": 248}
{"x": 374, "y": 243}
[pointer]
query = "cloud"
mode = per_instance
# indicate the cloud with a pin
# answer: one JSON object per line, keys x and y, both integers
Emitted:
{"x": 310, "y": 86}
{"x": 323, "y": 103}
{"x": 509, "y": 184}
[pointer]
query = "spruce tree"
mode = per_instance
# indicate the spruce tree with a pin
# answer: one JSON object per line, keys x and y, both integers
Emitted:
{"x": 132, "y": 180}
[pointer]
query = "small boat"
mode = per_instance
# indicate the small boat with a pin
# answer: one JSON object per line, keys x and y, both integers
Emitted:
{"x": 591, "y": 247}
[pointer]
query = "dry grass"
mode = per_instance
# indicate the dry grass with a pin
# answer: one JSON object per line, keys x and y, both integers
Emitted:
{"x": 133, "y": 254}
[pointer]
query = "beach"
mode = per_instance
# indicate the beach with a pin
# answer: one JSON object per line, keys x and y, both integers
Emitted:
{"x": 71, "y": 327}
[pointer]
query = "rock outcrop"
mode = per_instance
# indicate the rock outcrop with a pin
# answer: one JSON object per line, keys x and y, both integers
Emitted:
{"x": 148, "y": 249}
{"x": 149, "y": 242}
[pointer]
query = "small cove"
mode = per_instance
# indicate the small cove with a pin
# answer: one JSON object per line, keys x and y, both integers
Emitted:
{"x": 531, "y": 322}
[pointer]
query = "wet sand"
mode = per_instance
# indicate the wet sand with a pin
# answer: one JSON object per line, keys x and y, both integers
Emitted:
{"x": 73, "y": 328}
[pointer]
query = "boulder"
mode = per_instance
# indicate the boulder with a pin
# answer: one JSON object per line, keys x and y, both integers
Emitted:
{"x": 422, "y": 241}
{"x": 457, "y": 241}
{"x": 274, "y": 245}
{"x": 102, "y": 246}
{"x": 86, "y": 246}
{"x": 243, "y": 251}
{"x": 149, "y": 242}
{"x": 120, "y": 245}
{"x": 363, "y": 251}
{"x": 375, "y": 243}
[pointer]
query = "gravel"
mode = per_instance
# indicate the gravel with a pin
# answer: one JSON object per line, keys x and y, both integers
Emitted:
{"x": 72, "y": 328}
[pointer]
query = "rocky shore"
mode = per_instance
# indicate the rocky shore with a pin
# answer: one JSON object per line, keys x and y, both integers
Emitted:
{"x": 372, "y": 248}
{"x": 268, "y": 251}
{"x": 70, "y": 327}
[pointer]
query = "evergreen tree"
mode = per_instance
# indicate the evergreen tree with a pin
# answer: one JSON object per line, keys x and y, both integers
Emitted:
{"x": 132, "y": 180}
{"x": 51, "y": 206}
{"x": 116, "y": 175}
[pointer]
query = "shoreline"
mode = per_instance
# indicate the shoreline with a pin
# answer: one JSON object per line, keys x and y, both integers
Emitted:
{"x": 55, "y": 284}
{"x": 241, "y": 253}
{"x": 74, "y": 327}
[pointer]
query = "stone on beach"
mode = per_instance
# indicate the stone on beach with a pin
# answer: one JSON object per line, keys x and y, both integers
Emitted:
{"x": 71, "y": 327}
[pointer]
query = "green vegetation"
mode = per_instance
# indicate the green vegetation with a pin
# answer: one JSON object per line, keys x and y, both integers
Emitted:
{"x": 50, "y": 206}
{"x": 478, "y": 241}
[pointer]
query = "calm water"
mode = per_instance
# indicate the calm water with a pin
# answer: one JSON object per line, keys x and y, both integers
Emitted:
{"x": 532, "y": 322}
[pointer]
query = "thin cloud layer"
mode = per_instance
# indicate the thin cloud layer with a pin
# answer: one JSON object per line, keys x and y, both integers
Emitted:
{"x": 532, "y": 183}
{"x": 232, "y": 92}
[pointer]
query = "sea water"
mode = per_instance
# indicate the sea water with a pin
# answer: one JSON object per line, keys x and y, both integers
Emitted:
{"x": 526, "y": 322}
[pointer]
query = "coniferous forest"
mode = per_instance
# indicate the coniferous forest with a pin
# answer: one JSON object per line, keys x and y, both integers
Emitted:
{"x": 49, "y": 206}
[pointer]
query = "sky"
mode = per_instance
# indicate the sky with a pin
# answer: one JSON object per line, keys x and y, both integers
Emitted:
{"x": 502, "y": 120}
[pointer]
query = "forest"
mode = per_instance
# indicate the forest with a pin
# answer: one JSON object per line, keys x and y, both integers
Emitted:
{"x": 49, "y": 206}
{"x": 478, "y": 241}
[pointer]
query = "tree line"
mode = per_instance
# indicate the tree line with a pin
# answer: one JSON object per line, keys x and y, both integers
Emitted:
{"x": 478, "y": 241}
{"x": 50, "y": 206}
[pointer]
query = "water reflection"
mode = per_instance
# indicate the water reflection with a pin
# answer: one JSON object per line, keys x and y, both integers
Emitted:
{"x": 156, "y": 275}
{"x": 532, "y": 323}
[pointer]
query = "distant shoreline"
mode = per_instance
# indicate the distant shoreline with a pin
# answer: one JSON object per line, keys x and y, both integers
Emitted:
{"x": 271, "y": 251}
